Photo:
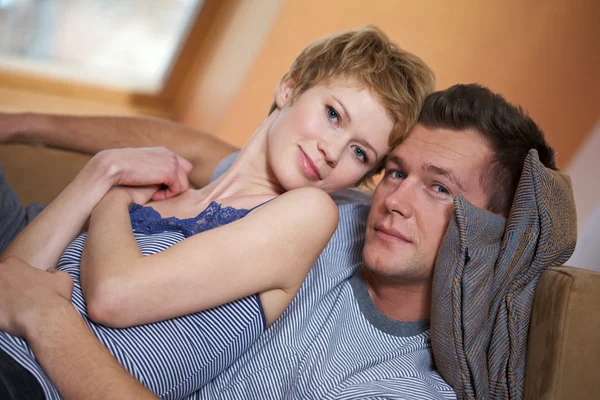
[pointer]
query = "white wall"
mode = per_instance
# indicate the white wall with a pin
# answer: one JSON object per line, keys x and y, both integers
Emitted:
{"x": 585, "y": 174}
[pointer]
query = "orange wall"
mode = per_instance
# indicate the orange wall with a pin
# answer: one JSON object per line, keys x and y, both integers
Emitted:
{"x": 540, "y": 54}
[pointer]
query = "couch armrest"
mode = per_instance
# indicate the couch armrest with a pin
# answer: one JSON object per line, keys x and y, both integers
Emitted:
{"x": 563, "y": 351}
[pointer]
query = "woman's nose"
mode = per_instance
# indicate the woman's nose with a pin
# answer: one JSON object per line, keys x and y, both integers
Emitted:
{"x": 331, "y": 150}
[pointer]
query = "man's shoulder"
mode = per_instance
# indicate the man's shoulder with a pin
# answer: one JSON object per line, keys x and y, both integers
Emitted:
{"x": 352, "y": 196}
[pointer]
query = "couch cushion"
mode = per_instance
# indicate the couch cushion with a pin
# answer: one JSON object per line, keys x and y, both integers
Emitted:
{"x": 563, "y": 350}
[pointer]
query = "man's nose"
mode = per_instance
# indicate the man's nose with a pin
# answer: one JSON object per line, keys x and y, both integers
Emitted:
{"x": 402, "y": 199}
{"x": 332, "y": 150}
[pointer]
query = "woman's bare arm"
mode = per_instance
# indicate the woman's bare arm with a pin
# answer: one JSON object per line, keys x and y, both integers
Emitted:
{"x": 270, "y": 250}
{"x": 42, "y": 242}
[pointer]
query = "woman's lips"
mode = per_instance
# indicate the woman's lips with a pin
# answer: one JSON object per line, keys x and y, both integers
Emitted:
{"x": 309, "y": 168}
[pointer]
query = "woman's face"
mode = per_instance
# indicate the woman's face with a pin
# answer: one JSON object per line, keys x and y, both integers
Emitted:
{"x": 330, "y": 137}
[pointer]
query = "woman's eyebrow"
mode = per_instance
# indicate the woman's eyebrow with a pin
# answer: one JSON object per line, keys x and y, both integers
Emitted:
{"x": 343, "y": 108}
{"x": 368, "y": 145}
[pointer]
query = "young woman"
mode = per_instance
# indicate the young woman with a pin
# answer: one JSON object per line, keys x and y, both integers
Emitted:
{"x": 345, "y": 101}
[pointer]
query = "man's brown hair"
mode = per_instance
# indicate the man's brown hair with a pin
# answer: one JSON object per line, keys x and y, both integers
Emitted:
{"x": 509, "y": 132}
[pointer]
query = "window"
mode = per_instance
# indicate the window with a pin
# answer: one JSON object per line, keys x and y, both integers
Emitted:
{"x": 123, "y": 44}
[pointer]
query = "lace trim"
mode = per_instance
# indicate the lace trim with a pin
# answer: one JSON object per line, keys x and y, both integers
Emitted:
{"x": 145, "y": 219}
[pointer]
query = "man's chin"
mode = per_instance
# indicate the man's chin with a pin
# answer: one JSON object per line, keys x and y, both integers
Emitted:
{"x": 379, "y": 262}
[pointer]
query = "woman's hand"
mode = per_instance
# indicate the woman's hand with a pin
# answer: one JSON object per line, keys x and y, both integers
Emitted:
{"x": 42, "y": 242}
{"x": 144, "y": 167}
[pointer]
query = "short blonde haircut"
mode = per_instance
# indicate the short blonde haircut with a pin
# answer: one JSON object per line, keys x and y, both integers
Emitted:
{"x": 398, "y": 78}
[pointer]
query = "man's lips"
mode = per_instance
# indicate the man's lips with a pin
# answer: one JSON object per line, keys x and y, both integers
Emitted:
{"x": 391, "y": 234}
{"x": 309, "y": 167}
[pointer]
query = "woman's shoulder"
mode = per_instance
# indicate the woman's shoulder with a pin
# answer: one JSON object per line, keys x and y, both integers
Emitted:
{"x": 306, "y": 202}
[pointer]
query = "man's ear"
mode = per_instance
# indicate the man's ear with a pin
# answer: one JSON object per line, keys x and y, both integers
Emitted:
{"x": 283, "y": 93}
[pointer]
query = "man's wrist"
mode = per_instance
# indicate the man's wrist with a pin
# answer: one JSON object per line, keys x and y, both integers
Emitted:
{"x": 48, "y": 320}
{"x": 25, "y": 127}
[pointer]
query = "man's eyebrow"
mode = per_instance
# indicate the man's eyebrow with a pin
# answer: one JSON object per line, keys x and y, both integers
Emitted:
{"x": 434, "y": 169}
{"x": 396, "y": 160}
{"x": 343, "y": 108}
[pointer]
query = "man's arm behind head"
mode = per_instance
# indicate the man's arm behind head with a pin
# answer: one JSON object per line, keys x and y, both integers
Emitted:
{"x": 90, "y": 135}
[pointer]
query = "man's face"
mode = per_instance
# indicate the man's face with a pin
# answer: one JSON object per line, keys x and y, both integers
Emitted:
{"x": 414, "y": 201}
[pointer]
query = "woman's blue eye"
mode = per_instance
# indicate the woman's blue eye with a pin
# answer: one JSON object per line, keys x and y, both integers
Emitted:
{"x": 332, "y": 114}
{"x": 360, "y": 154}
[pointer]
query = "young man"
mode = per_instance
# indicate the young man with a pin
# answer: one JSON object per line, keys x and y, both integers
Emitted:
{"x": 358, "y": 327}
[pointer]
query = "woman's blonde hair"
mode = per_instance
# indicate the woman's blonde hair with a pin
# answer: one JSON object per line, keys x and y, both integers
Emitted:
{"x": 398, "y": 78}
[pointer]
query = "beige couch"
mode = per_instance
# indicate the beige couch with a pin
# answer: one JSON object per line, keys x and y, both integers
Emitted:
{"x": 564, "y": 338}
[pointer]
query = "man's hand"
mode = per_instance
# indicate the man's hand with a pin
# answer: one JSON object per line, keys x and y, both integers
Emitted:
{"x": 145, "y": 167}
{"x": 36, "y": 305}
{"x": 29, "y": 296}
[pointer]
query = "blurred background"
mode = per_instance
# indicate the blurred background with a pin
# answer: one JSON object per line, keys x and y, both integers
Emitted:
{"x": 213, "y": 64}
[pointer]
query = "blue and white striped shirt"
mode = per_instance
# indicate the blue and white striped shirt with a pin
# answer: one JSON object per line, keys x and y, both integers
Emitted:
{"x": 332, "y": 343}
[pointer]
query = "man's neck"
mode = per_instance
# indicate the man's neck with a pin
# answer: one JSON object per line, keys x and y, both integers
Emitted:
{"x": 398, "y": 300}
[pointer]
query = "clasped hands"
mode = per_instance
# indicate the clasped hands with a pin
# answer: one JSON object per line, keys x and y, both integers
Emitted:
{"x": 30, "y": 297}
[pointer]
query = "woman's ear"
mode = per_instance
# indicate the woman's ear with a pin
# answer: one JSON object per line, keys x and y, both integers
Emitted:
{"x": 283, "y": 93}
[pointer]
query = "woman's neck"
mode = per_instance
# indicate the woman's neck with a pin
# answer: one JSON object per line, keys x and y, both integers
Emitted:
{"x": 247, "y": 183}
{"x": 250, "y": 174}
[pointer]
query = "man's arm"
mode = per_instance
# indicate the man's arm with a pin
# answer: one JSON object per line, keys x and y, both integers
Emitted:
{"x": 36, "y": 305}
{"x": 92, "y": 134}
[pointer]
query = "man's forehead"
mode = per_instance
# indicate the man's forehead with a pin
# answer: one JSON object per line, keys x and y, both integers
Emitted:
{"x": 461, "y": 156}
{"x": 442, "y": 142}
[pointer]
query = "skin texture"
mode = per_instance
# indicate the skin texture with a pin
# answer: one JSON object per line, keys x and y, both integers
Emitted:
{"x": 410, "y": 214}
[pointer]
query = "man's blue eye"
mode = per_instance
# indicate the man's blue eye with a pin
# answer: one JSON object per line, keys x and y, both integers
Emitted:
{"x": 394, "y": 173}
{"x": 441, "y": 189}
